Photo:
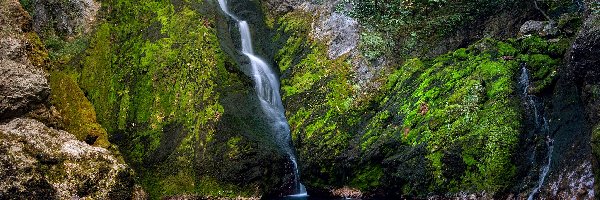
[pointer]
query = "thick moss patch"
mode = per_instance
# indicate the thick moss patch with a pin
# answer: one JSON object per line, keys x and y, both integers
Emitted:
{"x": 77, "y": 112}
{"x": 440, "y": 125}
{"x": 181, "y": 112}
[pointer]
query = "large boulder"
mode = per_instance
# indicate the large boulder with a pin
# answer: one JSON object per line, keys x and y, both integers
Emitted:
{"x": 21, "y": 88}
{"x": 22, "y": 85}
{"x": 43, "y": 163}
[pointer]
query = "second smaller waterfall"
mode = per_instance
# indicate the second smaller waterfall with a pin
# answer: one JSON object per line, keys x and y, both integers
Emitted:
{"x": 541, "y": 127}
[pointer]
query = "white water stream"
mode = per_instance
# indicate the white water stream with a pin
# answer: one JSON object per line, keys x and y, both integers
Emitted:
{"x": 267, "y": 89}
{"x": 541, "y": 125}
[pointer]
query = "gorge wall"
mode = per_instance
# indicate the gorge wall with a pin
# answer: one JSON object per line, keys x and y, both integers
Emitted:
{"x": 413, "y": 120}
{"x": 38, "y": 158}
{"x": 120, "y": 99}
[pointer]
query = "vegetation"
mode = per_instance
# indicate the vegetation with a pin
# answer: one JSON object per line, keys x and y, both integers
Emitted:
{"x": 77, "y": 112}
{"x": 403, "y": 23}
{"x": 163, "y": 90}
{"x": 423, "y": 115}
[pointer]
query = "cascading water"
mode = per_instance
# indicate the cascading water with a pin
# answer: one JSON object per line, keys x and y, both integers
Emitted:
{"x": 267, "y": 89}
{"x": 533, "y": 104}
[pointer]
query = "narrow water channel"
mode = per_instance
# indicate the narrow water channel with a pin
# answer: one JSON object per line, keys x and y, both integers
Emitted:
{"x": 267, "y": 88}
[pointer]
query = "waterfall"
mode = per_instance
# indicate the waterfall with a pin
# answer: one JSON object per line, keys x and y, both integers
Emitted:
{"x": 267, "y": 88}
{"x": 541, "y": 126}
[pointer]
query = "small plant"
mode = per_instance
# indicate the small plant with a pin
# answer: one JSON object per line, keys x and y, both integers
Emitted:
{"x": 374, "y": 45}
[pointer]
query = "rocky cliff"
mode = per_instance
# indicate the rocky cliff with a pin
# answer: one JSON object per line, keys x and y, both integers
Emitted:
{"x": 144, "y": 99}
{"x": 404, "y": 129}
{"x": 39, "y": 161}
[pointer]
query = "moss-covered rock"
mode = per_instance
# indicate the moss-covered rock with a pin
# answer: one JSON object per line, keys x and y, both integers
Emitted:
{"x": 43, "y": 163}
{"x": 423, "y": 116}
{"x": 77, "y": 112}
{"x": 183, "y": 115}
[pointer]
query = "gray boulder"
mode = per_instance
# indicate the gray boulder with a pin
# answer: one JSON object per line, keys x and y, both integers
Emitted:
{"x": 22, "y": 85}
{"x": 65, "y": 17}
{"x": 38, "y": 162}
{"x": 21, "y": 88}
{"x": 541, "y": 28}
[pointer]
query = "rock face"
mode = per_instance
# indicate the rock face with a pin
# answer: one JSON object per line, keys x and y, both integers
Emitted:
{"x": 66, "y": 17}
{"x": 20, "y": 88}
{"x": 583, "y": 70}
{"x": 37, "y": 161}
{"x": 341, "y": 31}
{"x": 586, "y": 48}
{"x": 22, "y": 85}
{"x": 42, "y": 162}
{"x": 577, "y": 182}
{"x": 541, "y": 28}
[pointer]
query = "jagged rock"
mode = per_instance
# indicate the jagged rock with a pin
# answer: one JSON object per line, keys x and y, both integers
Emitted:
{"x": 340, "y": 32}
{"x": 13, "y": 17}
{"x": 541, "y": 28}
{"x": 66, "y": 17}
{"x": 38, "y": 162}
{"x": 21, "y": 88}
{"x": 584, "y": 60}
{"x": 574, "y": 183}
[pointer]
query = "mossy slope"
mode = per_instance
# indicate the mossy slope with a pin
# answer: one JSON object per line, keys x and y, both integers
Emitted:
{"x": 77, "y": 112}
{"x": 175, "y": 104}
{"x": 442, "y": 125}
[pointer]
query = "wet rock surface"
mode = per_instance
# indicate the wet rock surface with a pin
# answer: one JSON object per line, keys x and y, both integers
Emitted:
{"x": 574, "y": 107}
{"x": 42, "y": 162}
{"x": 65, "y": 17}
{"x": 585, "y": 50}
{"x": 583, "y": 70}
{"x": 575, "y": 183}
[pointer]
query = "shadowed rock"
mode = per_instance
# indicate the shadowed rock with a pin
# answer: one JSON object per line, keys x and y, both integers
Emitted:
{"x": 68, "y": 18}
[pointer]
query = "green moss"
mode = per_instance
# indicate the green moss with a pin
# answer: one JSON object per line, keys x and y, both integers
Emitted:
{"x": 374, "y": 45}
{"x": 432, "y": 102}
{"x": 156, "y": 76}
{"x": 543, "y": 70}
{"x": 77, "y": 112}
{"x": 62, "y": 51}
{"x": 38, "y": 55}
{"x": 367, "y": 178}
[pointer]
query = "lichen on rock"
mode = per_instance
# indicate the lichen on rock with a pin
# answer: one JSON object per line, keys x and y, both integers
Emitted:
{"x": 22, "y": 85}
{"x": 22, "y": 88}
{"x": 42, "y": 162}
{"x": 64, "y": 17}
